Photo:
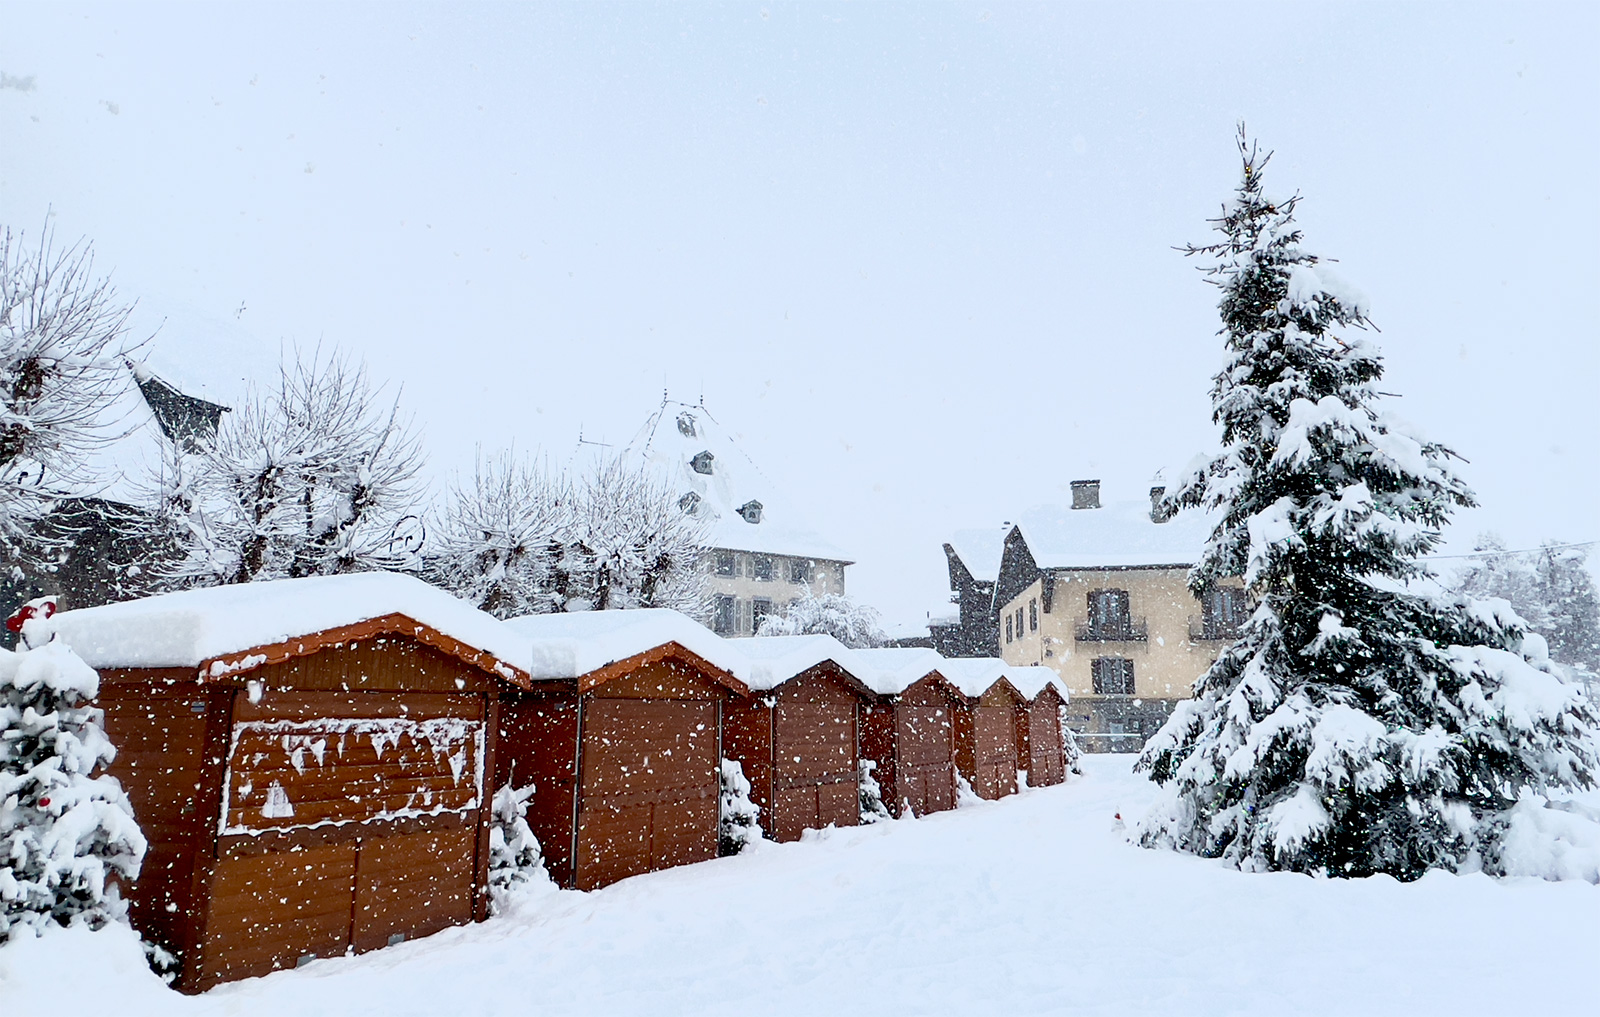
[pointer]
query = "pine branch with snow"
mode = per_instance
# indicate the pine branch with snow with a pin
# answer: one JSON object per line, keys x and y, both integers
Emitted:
{"x": 873, "y": 810}
{"x": 1363, "y": 722}
{"x": 852, "y": 623}
{"x": 516, "y": 861}
{"x": 65, "y": 833}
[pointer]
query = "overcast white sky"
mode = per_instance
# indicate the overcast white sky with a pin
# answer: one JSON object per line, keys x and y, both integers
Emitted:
{"x": 919, "y": 257}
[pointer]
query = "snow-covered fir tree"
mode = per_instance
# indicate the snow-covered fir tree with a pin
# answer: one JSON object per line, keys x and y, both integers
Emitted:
{"x": 519, "y": 540}
{"x": 1071, "y": 751}
{"x": 312, "y": 477}
{"x": 870, "y": 792}
{"x": 738, "y": 818}
{"x": 62, "y": 340}
{"x": 1364, "y": 721}
{"x": 65, "y": 833}
{"x": 852, "y": 623}
{"x": 515, "y": 859}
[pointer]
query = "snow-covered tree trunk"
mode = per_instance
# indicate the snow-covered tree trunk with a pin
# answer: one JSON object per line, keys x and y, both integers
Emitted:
{"x": 738, "y": 818}
{"x": 1363, "y": 722}
{"x": 65, "y": 833}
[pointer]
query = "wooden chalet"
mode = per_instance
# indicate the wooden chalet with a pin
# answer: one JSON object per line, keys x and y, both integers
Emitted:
{"x": 620, "y": 735}
{"x": 910, "y": 730}
{"x": 1042, "y": 753}
{"x": 308, "y": 759}
{"x": 797, "y": 735}
{"x": 990, "y": 733}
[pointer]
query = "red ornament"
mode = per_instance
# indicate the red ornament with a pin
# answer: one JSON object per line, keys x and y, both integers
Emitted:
{"x": 26, "y": 611}
{"x": 44, "y": 803}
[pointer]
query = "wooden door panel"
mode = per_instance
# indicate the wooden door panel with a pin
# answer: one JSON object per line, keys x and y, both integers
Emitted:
{"x": 643, "y": 744}
{"x": 412, "y": 885}
{"x": 925, "y": 735}
{"x": 613, "y": 843}
{"x": 838, "y": 804}
{"x": 268, "y": 910}
{"x": 683, "y": 832}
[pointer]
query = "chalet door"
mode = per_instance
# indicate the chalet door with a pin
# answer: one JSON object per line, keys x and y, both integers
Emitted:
{"x": 814, "y": 759}
{"x": 649, "y": 787}
{"x": 1045, "y": 765}
{"x": 995, "y": 751}
{"x": 927, "y": 758}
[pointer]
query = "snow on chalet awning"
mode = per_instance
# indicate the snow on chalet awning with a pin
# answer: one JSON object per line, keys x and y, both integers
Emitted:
{"x": 216, "y": 625}
{"x": 581, "y": 642}
{"x": 776, "y": 659}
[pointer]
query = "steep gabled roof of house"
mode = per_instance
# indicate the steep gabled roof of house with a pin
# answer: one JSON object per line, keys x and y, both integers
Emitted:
{"x": 717, "y": 481}
{"x": 1120, "y": 535}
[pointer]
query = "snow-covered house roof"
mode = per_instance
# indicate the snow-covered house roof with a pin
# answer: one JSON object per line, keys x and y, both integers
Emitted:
{"x": 1119, "y": 535}
{"x": 581, "y": 643}
{"x": 228, "y": 629}
{"x": 776, "y": 659}
{"x": 895, "y": 668}
{"x": 714, "y": 479}
{"x": 1033, "y": 679}
{"x": 980, "y": 551}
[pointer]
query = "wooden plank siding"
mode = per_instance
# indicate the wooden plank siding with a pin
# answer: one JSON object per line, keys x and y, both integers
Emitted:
{"x": 1039, "y": 724}
{"x": 912, "y": 739}
{"x": 987, "y": 741}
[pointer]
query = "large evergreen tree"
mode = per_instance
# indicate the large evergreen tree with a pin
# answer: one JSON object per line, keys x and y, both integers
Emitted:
{"x": 1364, "y": 721}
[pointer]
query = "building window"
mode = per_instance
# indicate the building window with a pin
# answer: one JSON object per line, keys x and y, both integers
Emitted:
{"x": 799, "y": 570}
{"x": 761, "y": 607}
{"x": 763, "y": 567}
{"x": 701, "y": 463}
{"x": 1033, "y": 616}
{"x": 1113, "y": 676}
{"x": 724, "y": 614}
{"x": 750, "y": 511}
{"x": 727, "y": 564}
{"x": 1109, "y": 618}
{"x": 1223, "y": 613}
{"x": 689, "y": 502}
{"x": 1019, "y": 623}
{"x": 1008, "y": 628}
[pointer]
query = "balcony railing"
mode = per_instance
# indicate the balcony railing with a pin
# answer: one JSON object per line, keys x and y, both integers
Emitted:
{"x": 1204, "y": 630}
{"x": 1121, "y": 630}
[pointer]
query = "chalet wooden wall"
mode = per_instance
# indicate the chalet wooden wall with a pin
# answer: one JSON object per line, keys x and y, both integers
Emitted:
{"x": 1041, "y": 749}
{"x": 912, "y": 739}
{"x": 988, "y": 734}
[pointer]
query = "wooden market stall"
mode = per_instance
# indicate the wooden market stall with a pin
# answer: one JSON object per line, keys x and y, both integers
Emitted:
{"x": 620, "y": 736}
{"x": 797, "y": 735}
{"x": 989, "y": 728}
{"x": 307, "y": 759}
{"x": 1040, "y": 749}
{"x": 909, "y": 731}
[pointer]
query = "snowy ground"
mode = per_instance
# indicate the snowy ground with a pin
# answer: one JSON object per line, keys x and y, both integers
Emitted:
{"x": 1029, "y": 905}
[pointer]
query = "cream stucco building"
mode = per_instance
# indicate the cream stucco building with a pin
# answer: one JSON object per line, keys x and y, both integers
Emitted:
{"x": 1100, "y": 594}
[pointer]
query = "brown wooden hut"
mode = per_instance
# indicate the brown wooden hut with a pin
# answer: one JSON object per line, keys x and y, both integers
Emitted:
{"x": 620, "y": 736}
{"x": 308, "y": 760}
{"x": 796, "y": 737}
{"x": 909, "y": 731}
{"x": 989, "y": 733}
{"x": 1040, "y": 748}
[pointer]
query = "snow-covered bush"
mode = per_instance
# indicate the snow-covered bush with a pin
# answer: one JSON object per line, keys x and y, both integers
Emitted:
{"x": 1071, "y": 751}
{"x": 1363, "y": 722}
{"x": 738, "y": 818}
{"x": 65, "y": 834}
{"x": 871, "y": 793}
{"x": 853, "y": 624}
{"x": 61, "y": 347}
{"x": 519, "y": 540}
{"x": 313, "y": 477}
{"x": 515, "y": 859}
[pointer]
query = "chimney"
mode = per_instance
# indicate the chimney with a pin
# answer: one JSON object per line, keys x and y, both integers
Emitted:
{"x": 1156, "y": 515}
{"x": 1086, "y": 494}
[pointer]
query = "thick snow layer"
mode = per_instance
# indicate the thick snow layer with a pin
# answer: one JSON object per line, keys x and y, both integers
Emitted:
{"x": 895, "y": 667}
{"x": 1117, "y": 535}
{"x": 776, "y": 659}
{"x": 669, "y": 443}
{"x": 187, "y": 628}
{"x": 576, "y": 643}
{"x": 1033, "y": 904}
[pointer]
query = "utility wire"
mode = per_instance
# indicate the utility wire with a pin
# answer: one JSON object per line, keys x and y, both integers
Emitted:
{"x": 1525, "y": 550}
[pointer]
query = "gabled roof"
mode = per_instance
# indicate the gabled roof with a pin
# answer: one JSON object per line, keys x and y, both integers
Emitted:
{"x": 587, "y": 643}
{"x": 777, "y": 659}
{"x": 742, "y": 507}
{"x": 225, "y": 630}
{"x": 1120, "y": 535}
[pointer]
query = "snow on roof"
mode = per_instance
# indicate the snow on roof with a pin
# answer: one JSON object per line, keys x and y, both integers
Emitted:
{"x": 897, "y": 667}
{"x": 980, "y": 550}
{"x": 973, "y": 675}
{"x": 728, "y": 488}
{"x": 776, "y": 659}
{"x": 190, "y": 627}
{"x": 1032, "y": 679}
{"x": 1119, "y": 535}
{"x": 577, "y": 643}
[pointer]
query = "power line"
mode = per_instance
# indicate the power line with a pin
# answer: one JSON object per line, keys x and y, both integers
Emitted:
{"x": 1525, "y": 550}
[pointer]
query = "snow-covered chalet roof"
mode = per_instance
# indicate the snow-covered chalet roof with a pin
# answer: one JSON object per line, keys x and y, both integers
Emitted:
{"x": 776, "y": 659}
{"x": 727, "y": 488}
{"x": 192, "y": 627}
{"x": 581, "y": 642}
{"x": 895, "y": 668}
{"x": 1119, "y": 535}
{"x": 981, "y": 550}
